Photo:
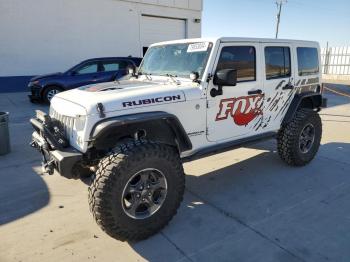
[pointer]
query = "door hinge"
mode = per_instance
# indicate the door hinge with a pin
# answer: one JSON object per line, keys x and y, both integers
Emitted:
{"x": 210, "y": 76}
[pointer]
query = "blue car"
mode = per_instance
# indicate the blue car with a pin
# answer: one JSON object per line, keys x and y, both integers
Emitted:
{"x": 96, "y": 70}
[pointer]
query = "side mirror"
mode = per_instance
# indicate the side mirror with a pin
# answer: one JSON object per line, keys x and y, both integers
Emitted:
{"x": 73, "y": 73}
{"x": 194, "y": 76}
{"x": 225, "y": 77}
{"x": 131, "y": 71}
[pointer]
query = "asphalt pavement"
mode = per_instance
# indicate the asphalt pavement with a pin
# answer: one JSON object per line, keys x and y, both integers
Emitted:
{"x": 242, "y": 205}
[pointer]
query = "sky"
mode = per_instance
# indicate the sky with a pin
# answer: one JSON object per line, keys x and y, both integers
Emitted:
{"x": 322, "y": 20}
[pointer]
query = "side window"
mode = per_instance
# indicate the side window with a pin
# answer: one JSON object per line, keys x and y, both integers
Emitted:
{"x": 308, "y": 63}
{"x": 277, "y": 62}
{"x": 241, "y": 58}
{"x": 87, "y": 69}
{"x": 114, "y": 65}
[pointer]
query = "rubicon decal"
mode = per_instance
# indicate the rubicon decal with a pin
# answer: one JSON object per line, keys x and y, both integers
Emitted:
{"x": 242, "y": 109}
{"x": 155, "y": 100}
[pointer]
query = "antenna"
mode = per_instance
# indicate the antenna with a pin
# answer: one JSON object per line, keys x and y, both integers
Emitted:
{"x": 279, "y": 4}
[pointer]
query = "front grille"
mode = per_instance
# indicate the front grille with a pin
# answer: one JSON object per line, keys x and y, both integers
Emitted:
{"x": 67, "y": 122}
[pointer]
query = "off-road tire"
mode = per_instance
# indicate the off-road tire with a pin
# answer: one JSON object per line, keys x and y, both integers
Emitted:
{"x": 288, "y": 138}
{"x": 46, "y": 92}
{"x": 105, "y": 192}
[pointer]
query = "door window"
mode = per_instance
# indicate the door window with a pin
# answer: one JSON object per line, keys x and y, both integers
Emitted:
{"x": 87, "y": 69}
{"x": 307, "y": 61}
{"x": 241, "y": 58}
{"x": 277, "y": 62}
{"x": 114, "y": 66}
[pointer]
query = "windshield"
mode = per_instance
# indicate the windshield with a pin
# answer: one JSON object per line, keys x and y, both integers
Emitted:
{"x": 176, "y": 59}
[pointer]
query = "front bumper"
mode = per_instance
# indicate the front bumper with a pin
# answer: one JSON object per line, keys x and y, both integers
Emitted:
{"x": 35, "y": 93}
{"x": 55, "y": 154}
{"x": 324, "y": 102}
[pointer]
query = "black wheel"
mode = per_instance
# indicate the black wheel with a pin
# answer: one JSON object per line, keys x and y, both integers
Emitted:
{"x": 137, "y": 189}
{"x": 299, "y": 140}
{"x": 49, "y": 93}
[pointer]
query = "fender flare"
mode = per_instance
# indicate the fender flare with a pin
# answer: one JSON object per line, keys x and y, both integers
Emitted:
{"x": 314, "y": 101}
{"x": 160, "y": 126}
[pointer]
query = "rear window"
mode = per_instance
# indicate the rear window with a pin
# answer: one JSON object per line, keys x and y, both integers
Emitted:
{"x": 308, "y": 63}
{"x": 277, "y": 62}
{"x": 114, "y": 66}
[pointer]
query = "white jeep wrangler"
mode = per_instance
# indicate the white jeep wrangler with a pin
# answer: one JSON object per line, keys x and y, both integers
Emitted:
{"x": 189, "y": 98}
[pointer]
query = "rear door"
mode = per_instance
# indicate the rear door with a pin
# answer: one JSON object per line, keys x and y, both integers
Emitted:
{"x": 236, "y": 112}
{"x": 278, "y": 80}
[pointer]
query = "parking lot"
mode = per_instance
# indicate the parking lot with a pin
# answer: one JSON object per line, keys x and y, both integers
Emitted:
{"x": 242, "y": 205}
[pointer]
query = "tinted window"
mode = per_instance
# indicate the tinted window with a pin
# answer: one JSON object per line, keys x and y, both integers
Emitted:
{"x": 241, "y": 58}
{"x": 87, "y": 69}
{"x": 307, "y": 61}
{"x": 277, "y": 62}
{"x": 114, "y": 66}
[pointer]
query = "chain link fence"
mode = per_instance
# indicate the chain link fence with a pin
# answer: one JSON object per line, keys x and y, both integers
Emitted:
{"x": 336, "y": 60}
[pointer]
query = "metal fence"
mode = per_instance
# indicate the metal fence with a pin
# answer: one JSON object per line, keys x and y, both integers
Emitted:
{"x": 336, "y": 60}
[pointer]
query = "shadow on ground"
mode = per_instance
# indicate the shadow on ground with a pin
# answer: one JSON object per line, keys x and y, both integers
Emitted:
{"x": 293, "y": 213}
{"x": 22, "y": 192}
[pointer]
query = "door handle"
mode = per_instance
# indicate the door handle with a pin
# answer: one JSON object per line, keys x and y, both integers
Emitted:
{"x": 255, "y": 92}
{"x": 288, "y": 86}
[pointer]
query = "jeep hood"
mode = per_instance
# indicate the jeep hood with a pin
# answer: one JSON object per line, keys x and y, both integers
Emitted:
{"x": 122, "y": 95}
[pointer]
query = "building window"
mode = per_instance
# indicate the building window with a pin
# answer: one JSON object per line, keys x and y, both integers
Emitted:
{"x": 144, "y": 50}
{"x": 308, "y": 63}
{"x": 277, "y": 62}
{"x": 241, "y": 58}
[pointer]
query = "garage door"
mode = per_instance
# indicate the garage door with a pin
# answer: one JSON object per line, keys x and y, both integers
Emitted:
{"x": 158, "y": 29}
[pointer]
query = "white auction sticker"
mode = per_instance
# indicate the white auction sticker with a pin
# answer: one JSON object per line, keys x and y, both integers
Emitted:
{"x": 198, "y": 47}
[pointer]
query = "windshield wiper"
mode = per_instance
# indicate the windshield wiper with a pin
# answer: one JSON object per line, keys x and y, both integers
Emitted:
{"x": 172, "y": 77}
{"x": 148, "y": 76}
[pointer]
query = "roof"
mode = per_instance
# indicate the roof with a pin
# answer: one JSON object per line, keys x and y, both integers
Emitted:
{"x": 112, "y": 58}
{"x": 238, "y": 39}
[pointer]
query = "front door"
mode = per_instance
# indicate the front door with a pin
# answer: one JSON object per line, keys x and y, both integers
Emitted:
{"x": 237, "y": 112}
{"x": 86, "y": 74}
{"x": 278, "y": 81}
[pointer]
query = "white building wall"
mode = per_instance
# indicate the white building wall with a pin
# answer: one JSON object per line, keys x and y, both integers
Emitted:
{"x": 44, "y": 36}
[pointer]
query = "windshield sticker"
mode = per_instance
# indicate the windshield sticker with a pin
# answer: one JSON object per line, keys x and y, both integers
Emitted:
{"x": 198, "y": 47}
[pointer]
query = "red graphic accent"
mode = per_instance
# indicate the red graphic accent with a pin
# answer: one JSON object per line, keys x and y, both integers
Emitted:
{"x": 242, "y": 109}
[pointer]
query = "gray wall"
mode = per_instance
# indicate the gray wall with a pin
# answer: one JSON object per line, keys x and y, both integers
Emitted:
{"x": 44, "y": 36}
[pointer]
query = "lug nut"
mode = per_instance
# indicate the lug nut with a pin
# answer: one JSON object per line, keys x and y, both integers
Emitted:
{"x": 138, "y": 195}
{"x": 143, "y": 199}
{"x": 149, "y": 194}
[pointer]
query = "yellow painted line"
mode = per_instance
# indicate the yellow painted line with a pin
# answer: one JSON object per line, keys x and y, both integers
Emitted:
{"x": 336, "y": 92}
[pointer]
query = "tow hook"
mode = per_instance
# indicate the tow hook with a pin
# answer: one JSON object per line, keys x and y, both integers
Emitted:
{"x": 34, "y": 144}
{"x": 47, "y": 167}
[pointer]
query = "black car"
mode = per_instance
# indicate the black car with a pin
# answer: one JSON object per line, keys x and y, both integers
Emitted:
{"x": 96, "y": 70}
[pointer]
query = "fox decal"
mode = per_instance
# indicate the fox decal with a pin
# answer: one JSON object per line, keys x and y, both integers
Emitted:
{"x": 242, "y": 109}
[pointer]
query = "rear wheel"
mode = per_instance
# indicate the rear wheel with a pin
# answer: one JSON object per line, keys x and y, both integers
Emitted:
{"x": 137, "y": 190}
{"x": 50, "y": 92}
{"x": 299, "y": 140}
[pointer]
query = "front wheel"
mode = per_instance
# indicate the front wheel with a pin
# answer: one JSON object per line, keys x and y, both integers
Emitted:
{"x": 137, "y": 190}
{"x": 50, "y": 92}
{"x": 299, "y": 140}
